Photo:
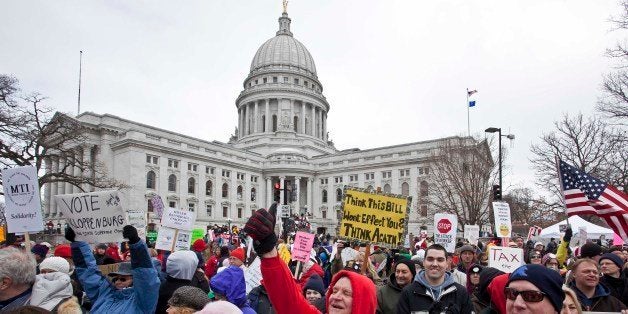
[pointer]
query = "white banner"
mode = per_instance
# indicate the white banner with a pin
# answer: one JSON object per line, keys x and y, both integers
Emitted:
{"x": 167, "y": 237}
{"x": 178, "y": 219}
{"x": 503, "y": 225}
{"x": 95, "y": 217}
{"x": 445, "y": 229}
{"x": 137, "y": 219}
{"x": 472, "y": 233}
{"x": 21, "y": 196}
{"x": 505, "y": 259}
{"x": 582, "y": 234}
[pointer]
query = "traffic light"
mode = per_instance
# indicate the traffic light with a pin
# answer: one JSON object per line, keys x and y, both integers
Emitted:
{"x": 276, "y": 191}
{"x": 497, "y": 192}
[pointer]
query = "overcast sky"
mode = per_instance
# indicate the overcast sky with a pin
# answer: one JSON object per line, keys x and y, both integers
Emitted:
{"x": 393, "y": 71}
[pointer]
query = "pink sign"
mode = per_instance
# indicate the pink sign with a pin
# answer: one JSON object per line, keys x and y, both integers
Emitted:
{"x": 303, "y": 242}
{"x": 617, "y": 240}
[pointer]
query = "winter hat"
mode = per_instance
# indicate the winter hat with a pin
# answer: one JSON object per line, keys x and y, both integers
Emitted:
{"x": 613, "y": 258}
{"x": 101, "y": 246}
{"x": 220, "y": 307}
{"x": 590, "y": 250}
{"x": 40, "y": 250}
{"x": 315, "y": 282}
{"x": 539, "y": 243}
{"x": 199, "y": 245}
{"x": 545, "y": 279}
{"x": 466, "y": 248}
{"x": 55, "y": 263}
{"x": 48, "y": 245}
{"x": 547, "y": 257}
{"x": 188, "y": 296}
{"x": 124, "y": 269}
{"x": 63, "y": 250}
{"x": 410, "y": 265}
{"x": 182, "y": 265}
{"x": 238, "y": 253}
{"x": 475, "y": 269}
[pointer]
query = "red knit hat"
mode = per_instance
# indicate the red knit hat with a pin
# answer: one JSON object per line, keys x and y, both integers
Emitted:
{"x": 238, "y": 253}
{"x": 63, "y": 250}
{"x": 199, "y": 245}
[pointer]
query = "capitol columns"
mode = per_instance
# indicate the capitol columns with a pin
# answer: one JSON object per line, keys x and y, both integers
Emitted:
{"x": 313, "y": 120}
{"x": 282, "y": 187}
{"x": 298, "y": 200}
{"x": 256, "y": 117}
{"x": 310, "y": 195}
{"x": 47, "y": 187}
{"x": 269, "y": 192}
{"x": 302, "y": 126}
{"x": 53, "y": 185}
{"x": 269, "y": 127}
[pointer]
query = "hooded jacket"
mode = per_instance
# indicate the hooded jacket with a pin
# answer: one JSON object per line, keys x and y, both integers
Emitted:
{"x": 313, "y": 269}
{"x": 50, "y": 289}
{"x": 105, "y": 297}
{"x": 601, "y": 301}
{"x": 448, "y": 297}
{"x": 180, "y": 268}
{"x": 287, "y": 297}
{"x": 230, "y": 283}
{"x": 259, "y": 301}
{"x": 618, "y": 287}
{"x": 388, "y": 296}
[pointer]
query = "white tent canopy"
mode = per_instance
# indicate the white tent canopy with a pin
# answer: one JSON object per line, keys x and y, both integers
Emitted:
{"x": 593, "y": 231}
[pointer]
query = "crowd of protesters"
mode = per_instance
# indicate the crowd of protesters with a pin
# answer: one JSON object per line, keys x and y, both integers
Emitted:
{"x": 210, "y": 277}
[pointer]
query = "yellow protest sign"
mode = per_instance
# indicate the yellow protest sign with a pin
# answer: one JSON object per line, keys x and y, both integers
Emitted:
{"x": 2, "y": 235}
{"x": 375, "y": 218}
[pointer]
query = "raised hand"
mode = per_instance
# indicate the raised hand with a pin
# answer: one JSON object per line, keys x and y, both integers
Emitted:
{"x": 129, "y": 232}
{"x": 69, "y": 234}
{"x": 261, "y": 227}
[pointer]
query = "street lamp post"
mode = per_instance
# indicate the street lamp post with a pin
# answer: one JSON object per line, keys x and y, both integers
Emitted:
{"x": 499, "y": 148}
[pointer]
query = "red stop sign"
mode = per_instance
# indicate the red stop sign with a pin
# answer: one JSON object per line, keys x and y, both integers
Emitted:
{"x": 443, "y": 225}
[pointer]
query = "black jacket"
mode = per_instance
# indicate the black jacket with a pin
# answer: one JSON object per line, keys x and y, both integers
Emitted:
{"x": 617, "y": 286}
{"x": 415, "y": 297}
{"x": 259, "y": 301}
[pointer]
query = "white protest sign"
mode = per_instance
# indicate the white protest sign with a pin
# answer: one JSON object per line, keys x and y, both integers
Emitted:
{"x": 253, "y": 275}
{"x": 178, "y": 219}
{"x": 505, "y": 259}
{"x": 21, "y": 196}
{"x": 472, "y": 233}
{"x": 167, "y": 237}
{"x": 503, "y": 225}
{"x": 445, "y": 228}
{"x": 348, "y": 254}
{"x": 137, "y": 219}
{"x": 582, "y": 233}
{"x": 184, "y": 240}
{"x": 95, "y": 217}
{"x": 158, "y": 205}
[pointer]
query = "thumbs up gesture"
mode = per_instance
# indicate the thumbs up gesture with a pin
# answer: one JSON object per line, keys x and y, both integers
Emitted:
{"x": 261, "y": 227}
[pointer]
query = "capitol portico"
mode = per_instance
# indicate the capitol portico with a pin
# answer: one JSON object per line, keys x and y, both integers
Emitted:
{"x": 281, "y": 138}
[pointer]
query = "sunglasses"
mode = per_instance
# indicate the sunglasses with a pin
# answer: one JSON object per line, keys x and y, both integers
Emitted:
{"x": 527, "y": 295}
{"x": 121, "y": 279}
{"x": 535, "y": 256}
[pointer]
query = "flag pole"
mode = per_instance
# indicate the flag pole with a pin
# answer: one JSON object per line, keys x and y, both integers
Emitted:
{"x": 79, "y": 85}
{"x": 468, "y": 119}
{"x": 560, "y": 185}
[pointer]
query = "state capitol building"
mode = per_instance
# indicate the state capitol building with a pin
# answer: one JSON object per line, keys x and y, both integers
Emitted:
{"x": 281, "y": 139}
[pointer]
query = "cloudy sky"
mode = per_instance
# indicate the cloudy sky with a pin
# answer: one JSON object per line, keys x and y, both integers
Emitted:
{"x": 393, "y": 71}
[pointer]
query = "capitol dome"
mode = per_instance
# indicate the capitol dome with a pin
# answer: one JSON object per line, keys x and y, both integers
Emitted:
{"x": 284, "y": 50}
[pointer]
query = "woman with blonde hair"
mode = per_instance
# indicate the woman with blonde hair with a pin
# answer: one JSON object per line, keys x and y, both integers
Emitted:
{"x": 571, "y": 305}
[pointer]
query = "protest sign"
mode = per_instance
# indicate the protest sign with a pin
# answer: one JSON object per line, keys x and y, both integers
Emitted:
{"x": 562, "y": 228}
{"x": 472, "y": 233}
{"x": 380, "y": 219}
{"x": 617, "y": 240}
{"x": 197, "y": 233}
{"x": 158, "y": 205}
{"x": 2, "y": 234}
{"x": 178, "y": 219}
{"x": 445, "y": 228}
{"x": 582, "y": 233}
{"x": 169, "y": 239}
{"x": 505, "y": 259}
{"x": 151, "y": 236}
{"x": 302, "y": 246}
{"x": 503, "y": 225}
{"x": 253, "y": 275}
{"x": 110, "y": 268}
{"x": 21, "y": 197}
{"x": 95, "y": 217}
{"x": 137, "y": 219}
{"x": 535, "y": 231}
{"x": 183, "y": 241}
{"x": 348, "y": 254}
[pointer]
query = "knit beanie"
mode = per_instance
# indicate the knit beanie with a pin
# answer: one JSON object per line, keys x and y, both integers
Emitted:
{"x": 544, "y": 279}
{"x": 546, "y": 258}
{"x": 199, "y": 245}
{"x": 188, "y": 296}
{"x": 238, "y": 253}
{"x": 55, "y": 263}
{"x": 101, "y": 246}
{"x": 410, "y": 265}
{"x": 63, "y": 250}
{"x": 590, "y": 250}
{"x": 39, "y": 249}
{"x": 613, "y": 258}
{"x": 315, "y": 282}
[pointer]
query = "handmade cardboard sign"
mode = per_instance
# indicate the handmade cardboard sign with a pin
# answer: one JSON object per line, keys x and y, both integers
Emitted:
{"x": 472, "y": 233}
{"x": 505, "y": 259}
{"x": 503, "y": 225}
{"x": 158, "y": 205}
{"x": 95, "y": 217}
{"x": 178, "y": 219}
{"x": 137, "y": 219}
{"x": 445, "y": 228}
{"x": 302, "y": 246}
{"x": 21, "y": 197}
{"x": 167, "y": 238}
{"x": 253, "y": 275}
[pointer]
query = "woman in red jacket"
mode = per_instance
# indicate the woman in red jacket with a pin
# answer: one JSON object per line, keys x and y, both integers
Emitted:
{"x": 349, "y": 292}
{"x": 212, "y": 263}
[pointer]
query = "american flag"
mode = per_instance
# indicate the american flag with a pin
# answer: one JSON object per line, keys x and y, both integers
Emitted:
{"x": 471, "y": 92}
{"x": 586, "y": 195}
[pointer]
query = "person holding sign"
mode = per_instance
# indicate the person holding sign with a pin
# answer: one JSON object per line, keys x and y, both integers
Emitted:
{"x": 136, "y": 293}
{"x": 349, "y": 292}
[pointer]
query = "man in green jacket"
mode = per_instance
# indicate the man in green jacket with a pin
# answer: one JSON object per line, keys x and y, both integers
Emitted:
{"x": 388, "y": 295}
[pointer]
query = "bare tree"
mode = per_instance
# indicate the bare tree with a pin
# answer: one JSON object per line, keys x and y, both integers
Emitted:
{"x": 460, "y": 180}
{"x": 589, "y": 144}
{"x": 614, "y": 102}
{"x": 529, "y": 209}
{"x": 30, "y": 134}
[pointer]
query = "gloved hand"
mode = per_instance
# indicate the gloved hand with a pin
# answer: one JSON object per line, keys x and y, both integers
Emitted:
{"x": 261, "y": 227}
{"x": 69, "y": 234}
{"x": 129, "y": 232}
{"x": 568, "y": 234}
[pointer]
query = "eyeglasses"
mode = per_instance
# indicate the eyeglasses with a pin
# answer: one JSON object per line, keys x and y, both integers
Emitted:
{"x": 527, "y": 295}
{"x": 535, "y": 256}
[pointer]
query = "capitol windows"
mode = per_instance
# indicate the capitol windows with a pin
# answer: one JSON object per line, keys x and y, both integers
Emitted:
{"x": 149, "y": 206}
{"x": 296, "y": 122}
{"x": 275, "y": 79}
{"x": 296, "y": 81}
{"x": 324, "y": 196}
{"x": 253, "y": 194}
{"x": 424, "y": 170}
{"x": 324, "y": 181}
{"x": 192, "y": 167}
{"x": 255, "y": 82}
{"x": 405, "y": 189}
{"x": 338, "y": 195}
{"x": 353, "y": 178}
{"x": 225, "y": 190}
{"x": 423, "y": 210}
{"x": 208, "y": 188}
{"x": 173, "y": 163}
{"x": 239, "y": 212}
{"x": 191, "y": 207}
{"x": 209, "y": 170}
{"x": 208, "y": 208}
{"x": 324, "y": 213}
{"x": 253, "y": 178}
{"x": 386, "y": 174}
{"x": 172, "y": 183}
{"x": 404, "y": 173}
{"x": 191, "y": 186}
{"x": 150, "y": 180}
{"x": 240, "y": 176}
{"x": 239, "y": 192}
{"x": 387, "y": 188}
{"x": 423, "y": 189}
{"x": 338, "y": 179}
{"x": 274, "y": 123}
{"x": 285, "y": 79}
{"x": 265, "y": 80}
{"x": 225, "y": 210}
{"x": 150, "y": 159}
{"x": 369, "y": 176}
{"x": 226, "y": 173}
{"x": 172, "y": 204}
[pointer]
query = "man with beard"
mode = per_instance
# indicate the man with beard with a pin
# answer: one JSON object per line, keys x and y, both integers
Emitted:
{"x": 434, "y": 289}
{"x": 388, "y": 295}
